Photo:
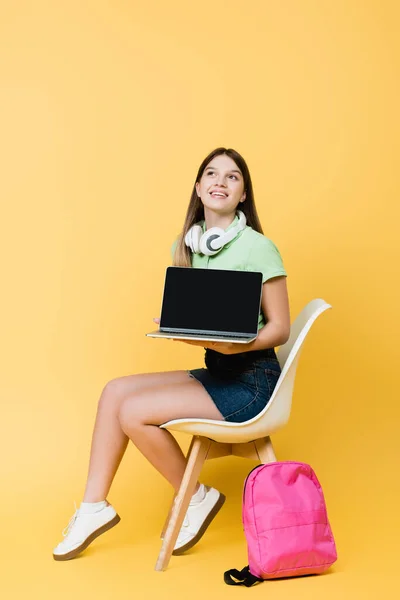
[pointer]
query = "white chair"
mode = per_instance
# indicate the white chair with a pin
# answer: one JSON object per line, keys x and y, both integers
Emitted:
{"x": 251, "y": 439}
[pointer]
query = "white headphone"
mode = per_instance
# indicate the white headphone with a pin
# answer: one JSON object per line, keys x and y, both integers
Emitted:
{"x": 214, "y": 239}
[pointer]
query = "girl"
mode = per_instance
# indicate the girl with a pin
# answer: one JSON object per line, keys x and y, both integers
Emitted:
{"x": 236, "y": 384}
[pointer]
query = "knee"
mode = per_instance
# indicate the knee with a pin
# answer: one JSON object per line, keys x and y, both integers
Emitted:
{"x": 113, "y": 392}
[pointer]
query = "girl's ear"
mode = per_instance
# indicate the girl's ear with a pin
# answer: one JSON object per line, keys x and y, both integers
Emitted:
{"x": 197, "y": 188}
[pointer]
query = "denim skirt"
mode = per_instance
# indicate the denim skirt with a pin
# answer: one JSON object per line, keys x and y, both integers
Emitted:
{"x": 240, "y": 385}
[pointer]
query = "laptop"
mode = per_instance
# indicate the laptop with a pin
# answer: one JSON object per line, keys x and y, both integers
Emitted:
{"x": 210, "y": 304}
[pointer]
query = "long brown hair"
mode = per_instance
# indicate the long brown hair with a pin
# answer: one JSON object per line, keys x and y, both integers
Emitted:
{"x": 195, "y": 211}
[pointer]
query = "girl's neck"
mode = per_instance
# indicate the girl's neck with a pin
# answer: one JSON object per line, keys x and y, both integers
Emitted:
{"x": 213, "y": 219}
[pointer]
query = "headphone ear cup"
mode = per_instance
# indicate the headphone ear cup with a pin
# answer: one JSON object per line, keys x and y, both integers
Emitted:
{"x": 242, "y": 220}
{"x": 211, "y": 234}
{"x": 192, "y": 238}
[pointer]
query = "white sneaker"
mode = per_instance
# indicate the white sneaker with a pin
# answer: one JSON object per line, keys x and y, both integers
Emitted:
{"x": 82, "y": 529}
{"x": 197, "y": 519}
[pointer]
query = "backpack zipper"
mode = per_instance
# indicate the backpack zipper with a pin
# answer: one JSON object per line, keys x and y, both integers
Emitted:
{"x": 245, "y": 481}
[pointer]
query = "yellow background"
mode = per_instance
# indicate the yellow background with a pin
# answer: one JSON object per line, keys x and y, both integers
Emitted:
{"x": 106, "y": 111}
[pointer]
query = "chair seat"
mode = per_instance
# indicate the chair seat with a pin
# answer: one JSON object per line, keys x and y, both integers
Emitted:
{"x": 224, "y": 431}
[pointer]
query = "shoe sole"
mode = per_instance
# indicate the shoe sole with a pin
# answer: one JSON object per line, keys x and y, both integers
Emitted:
{"x": 213, "y": 512}
{"x": 88, "y": 540}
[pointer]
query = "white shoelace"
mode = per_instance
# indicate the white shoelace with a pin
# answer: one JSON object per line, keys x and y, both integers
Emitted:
{"x": 71, "y": 522}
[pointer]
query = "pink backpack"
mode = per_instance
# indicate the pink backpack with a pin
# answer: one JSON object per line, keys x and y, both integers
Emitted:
{"x": 285, "y": 523}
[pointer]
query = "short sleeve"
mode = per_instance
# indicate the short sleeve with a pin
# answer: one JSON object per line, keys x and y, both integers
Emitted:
{"x": 265, "y": 257}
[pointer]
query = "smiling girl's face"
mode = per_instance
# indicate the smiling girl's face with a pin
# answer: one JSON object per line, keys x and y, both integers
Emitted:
{"x": 221, "y": 186}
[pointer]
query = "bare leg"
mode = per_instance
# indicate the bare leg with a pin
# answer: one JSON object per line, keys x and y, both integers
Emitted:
{"x": 134, "y": 407}
{"x": 142, "y": 413}
{"x": 109, "y": 441}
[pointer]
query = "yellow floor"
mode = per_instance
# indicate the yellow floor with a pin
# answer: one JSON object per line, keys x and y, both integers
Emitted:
{"x": 117, "y": 566}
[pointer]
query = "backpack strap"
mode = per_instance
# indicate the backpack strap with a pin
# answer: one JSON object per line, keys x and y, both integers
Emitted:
{"x": 243, "y": 577}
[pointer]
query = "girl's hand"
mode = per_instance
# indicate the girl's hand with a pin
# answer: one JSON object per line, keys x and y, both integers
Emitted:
{"x": 157, "y": 320}
{"x": 222, "y": 347}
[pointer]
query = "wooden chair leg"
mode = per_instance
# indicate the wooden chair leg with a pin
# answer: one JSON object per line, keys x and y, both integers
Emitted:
{"x": 164, "y": 529}
{"x": 195, "y": 461}
{"x": 265, "y": 450}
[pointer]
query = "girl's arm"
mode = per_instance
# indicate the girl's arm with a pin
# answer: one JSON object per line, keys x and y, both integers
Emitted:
{"x": 275, "y": 306}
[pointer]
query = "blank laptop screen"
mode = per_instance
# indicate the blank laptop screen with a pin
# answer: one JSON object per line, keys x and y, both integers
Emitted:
{"x": 211, "y": 300}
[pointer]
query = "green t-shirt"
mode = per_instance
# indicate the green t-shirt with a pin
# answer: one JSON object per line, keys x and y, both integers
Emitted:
{"x": 249, "y": 251}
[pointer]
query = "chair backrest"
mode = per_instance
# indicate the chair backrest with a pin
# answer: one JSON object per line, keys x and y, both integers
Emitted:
{"x": 277, "y": 412}
{"x": 300, "y": 327}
